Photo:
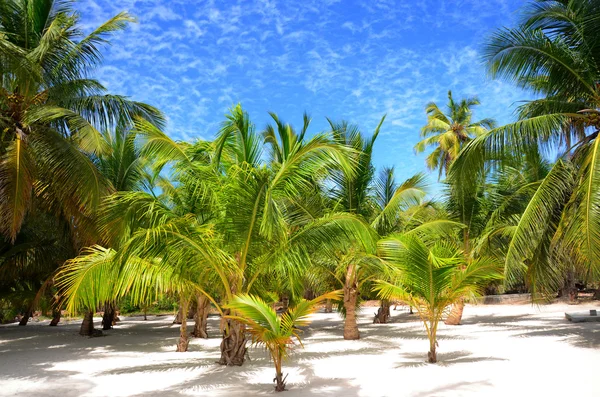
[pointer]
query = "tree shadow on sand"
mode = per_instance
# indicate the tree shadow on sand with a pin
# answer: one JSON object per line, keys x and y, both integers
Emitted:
{"x": 586, "y": 335}
{"x": 444, "y": 359}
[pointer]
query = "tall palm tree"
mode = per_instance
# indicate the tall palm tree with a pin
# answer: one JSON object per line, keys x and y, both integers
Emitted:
{"x": 449, "y": 132}
{"x": 552, "y": 52}
{"x": 355, "y": 193}
{"x": 431, "y": 278}
{"x": 50, "y": 113}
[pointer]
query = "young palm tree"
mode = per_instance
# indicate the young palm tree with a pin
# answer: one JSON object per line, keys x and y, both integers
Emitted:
{"x": 276, "y": 333}
{"x": 449, "y": 132}
{"x": 431, "y": 278}
{"x": 552, "y": 53}
{"x": 50, "y": 109}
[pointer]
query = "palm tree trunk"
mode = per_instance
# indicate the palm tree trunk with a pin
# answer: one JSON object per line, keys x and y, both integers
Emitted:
{"x": 87, "y": 325}
{"x": 184, "y": 340}
{"x": 55, "y": 317}
{"x": 383, "y": 313}
{"x": 25, "y": 319}
{"x": 285, "y": 301}
{"x": 329, "y": 306}
{"x": 233, "y": 345}
{"x": 432, "y": 355}
{"x": 455, "y": 316}
{"x": 279, "y": 379}
{"x": 108, "y": 318}
{"x": 350, "y": 297}
{"x": 201, "y": 317}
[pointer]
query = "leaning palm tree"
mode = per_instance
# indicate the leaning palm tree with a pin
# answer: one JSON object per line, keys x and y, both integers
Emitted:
{"x": 449, "y": 132}
{"x": 431, "y": 278}
{"x": 276, "y": 333}
{"x": 50, "y": 113}
{"x": 551, "y": 53}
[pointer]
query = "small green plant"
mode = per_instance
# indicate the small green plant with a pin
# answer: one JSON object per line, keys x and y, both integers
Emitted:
{"x": 276, "y": 333}
{"x": 431, "y": 279}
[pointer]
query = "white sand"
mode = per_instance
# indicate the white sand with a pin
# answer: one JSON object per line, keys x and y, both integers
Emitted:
{"x": 518, "y": 350}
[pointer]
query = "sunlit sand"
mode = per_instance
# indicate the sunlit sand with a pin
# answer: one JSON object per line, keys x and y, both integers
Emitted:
{"x": 499, "y": 350}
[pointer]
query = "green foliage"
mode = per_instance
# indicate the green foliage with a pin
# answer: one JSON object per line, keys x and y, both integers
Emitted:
{"x": 431, "y": 278}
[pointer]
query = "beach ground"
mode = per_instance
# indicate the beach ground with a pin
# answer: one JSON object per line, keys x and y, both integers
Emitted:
{"x": 499, "y": 350}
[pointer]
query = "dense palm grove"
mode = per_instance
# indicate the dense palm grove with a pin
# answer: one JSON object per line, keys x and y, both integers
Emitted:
{"x": 99, "y": 206}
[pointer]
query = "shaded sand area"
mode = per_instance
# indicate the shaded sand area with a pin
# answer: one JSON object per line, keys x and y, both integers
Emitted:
{"x": 500, "y": 350}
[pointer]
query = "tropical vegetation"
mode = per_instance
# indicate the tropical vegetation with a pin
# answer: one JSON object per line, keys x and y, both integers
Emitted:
{"x": 100, "y": 208}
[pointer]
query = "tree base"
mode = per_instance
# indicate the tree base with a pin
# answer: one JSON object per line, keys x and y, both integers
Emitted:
{"x": 182, "y": 345}
{"x": 233, "y": 345}
{"x": 279, "y": 382}
{"x": 432, "y": 357}
{"x": 55, "y": 319}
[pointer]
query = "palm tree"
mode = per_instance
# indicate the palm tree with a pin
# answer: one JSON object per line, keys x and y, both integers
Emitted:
{"x": 354, "y": 193}
{"x": 50, "y": 109}
{"x": 551, "y": 53}
{"x": 276, "y": 333}
{"x": 431, "y": 278}
{"x": 249, "y": 235}
{"x": 449, "y": 132}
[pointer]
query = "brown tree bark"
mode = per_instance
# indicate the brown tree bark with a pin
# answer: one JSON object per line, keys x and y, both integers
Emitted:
{"x": 285, "y": 302}
{"x": 87, "y": 325}
{"x": 233, "y": 345}
{"x": 108, "y": 318}
{"x": 350, "y": 297}
{"x": 201, "y": 317}
{"x": 55, "y": 317}
{"x": 279, "y": 378}
{"x": 328, "y": 306}
{"x": 178, "y": 316}
{"x": 25, "y": 319}
{"x": 184, "y": 341}
{"x": 432, "y": 354}
{"x": 455, "y": 316}
{"x": 383, "y": 313}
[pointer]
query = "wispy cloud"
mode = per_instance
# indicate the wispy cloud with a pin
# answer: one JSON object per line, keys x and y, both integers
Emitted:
{"x": 356, "y": 60}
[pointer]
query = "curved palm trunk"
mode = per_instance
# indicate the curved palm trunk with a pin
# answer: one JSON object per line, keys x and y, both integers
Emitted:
{"x": 25, "y": 319}
{"x": 201, "y": 317}
{"x": 233, "y": 345}
{"x": 87, "y": 325}
{"x": 350, "y": 297}
{"x": 55, "y": 317}
{"x": 455, "y": 316}
{"x": 184, "y": 341}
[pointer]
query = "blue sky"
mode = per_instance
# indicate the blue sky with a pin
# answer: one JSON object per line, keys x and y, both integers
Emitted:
{"x": 352, "y": 60}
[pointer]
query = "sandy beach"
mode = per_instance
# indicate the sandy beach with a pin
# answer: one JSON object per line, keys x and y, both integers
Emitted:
{"x": 500, "y": 350}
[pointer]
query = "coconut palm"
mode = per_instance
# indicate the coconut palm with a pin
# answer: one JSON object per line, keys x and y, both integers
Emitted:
{"x": 449, "y": 131}
{"x": 552, "y": 53}
{"x": 355, "y": 193}
{"x": 276, "y": 333}
{"x": 254, "y": 233}
{"x": 431, "y": 278}
{"x": 50, "y": 110}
